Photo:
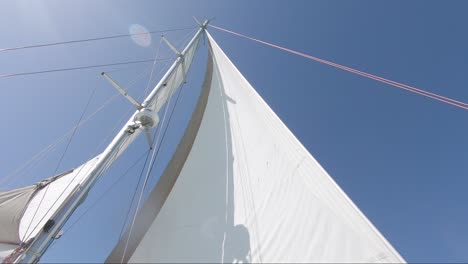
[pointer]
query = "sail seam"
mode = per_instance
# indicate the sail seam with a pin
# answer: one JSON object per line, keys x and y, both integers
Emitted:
{"x": 153, "y": 158}
{"x": 161, "y": 191}
{"x": 328, "y": 178}
{"x": 245, "y": 171}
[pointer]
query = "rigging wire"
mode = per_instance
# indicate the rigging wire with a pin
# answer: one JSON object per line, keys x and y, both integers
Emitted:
{"x": 135, "y": 192}
{"x": 76, "y": 127}
{"x": 121, "y": 177}
{"x": 51, "y": 147}
{"x": 155, "y": 150}
{"x": 62, "y": 156}
{"x": 131, "y": 107}
{"x": 78, "y": 68}
{"x": 155, "y": 154}
{"x": 63, "y": 191}
{"x": 92, "y": 39}
{"x": 44, "y": 152}
{"x": 177, "y": 98}
{"x": 103, "y": 194}
{"x": 156, "y": 56}
{"x": 152, "y": 161}
{"x": 61, "y": 194}
{"x": 68, "y": 185}
{"x": 116, "y": 125}
{"x": 152, "y": 68}
{"x": 365, "y": 74}
{"x": 141, "y": 98}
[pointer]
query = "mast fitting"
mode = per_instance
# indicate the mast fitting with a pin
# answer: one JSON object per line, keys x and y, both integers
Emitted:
{"x": 123, "y": 92}
{"x": 179, "y": 54}
{"x": 146, "y": 118}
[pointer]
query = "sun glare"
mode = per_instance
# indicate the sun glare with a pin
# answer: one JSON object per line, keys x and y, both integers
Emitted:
{"x": 140, "y": 35}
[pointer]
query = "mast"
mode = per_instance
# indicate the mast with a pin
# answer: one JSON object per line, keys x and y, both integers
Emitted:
{"x": 242, "y": 188}
{"x": 144, "y": 118}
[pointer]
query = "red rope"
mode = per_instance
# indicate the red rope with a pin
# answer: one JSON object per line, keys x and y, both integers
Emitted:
{"x": 368, "y": 75}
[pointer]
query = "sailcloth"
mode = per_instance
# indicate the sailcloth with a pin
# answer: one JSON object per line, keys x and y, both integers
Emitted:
{"x": 241, "y": 188}
{"x": 24, "y": 211}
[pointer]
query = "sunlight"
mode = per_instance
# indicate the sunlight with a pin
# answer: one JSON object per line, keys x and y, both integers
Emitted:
{"x": 143, "y": 38}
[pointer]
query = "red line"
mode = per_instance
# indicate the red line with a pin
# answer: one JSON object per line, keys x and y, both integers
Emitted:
{"x": 368, "y": 75}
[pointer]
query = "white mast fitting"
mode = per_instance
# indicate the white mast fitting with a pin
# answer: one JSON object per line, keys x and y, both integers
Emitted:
{"x": 142, "y": 119}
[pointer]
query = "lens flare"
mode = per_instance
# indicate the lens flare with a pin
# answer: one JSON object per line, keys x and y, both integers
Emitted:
{"x": 140, "y": 35}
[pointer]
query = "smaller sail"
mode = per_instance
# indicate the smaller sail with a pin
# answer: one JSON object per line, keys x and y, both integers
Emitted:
{"x": 49, "y": 198}
{"x": 24, "y": 211}
{"x": 12, "y": 206}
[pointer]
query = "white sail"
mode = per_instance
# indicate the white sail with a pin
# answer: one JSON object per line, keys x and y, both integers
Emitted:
{"x": 48, "y": 199}
{"x": 26, "y": 210}
{"x": 248, "y": 191}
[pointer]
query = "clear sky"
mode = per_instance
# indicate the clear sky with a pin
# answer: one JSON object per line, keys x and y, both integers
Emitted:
{"x": 402, "y": 158}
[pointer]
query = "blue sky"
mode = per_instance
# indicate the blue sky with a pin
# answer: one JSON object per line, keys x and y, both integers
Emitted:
{"x": 402, "y": 158}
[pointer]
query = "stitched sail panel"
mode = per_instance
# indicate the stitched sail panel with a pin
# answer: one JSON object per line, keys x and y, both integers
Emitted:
{"x": 250, "y": 192}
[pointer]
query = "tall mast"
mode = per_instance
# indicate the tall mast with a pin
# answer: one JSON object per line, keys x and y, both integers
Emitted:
{"x": 144, "y": 118}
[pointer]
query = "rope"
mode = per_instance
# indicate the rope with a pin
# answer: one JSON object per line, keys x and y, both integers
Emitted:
{"x": 409, "y": 88}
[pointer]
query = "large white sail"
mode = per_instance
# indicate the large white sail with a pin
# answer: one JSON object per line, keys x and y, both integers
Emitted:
{"x": 247, "y": 191}
{"x": 25, "y": 213}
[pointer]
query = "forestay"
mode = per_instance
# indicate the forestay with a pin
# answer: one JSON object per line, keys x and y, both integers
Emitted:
{"x": 247, "y": 191}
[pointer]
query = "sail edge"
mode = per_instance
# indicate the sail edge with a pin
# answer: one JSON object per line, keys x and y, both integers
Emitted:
{"x": 161, "y": 191}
